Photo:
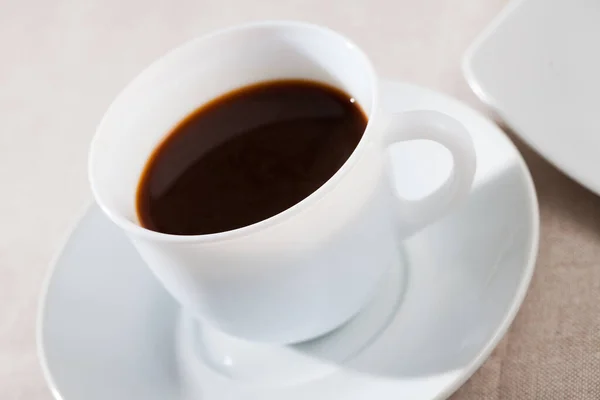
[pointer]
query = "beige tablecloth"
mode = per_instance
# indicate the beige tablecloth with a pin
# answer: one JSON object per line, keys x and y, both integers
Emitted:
{"x": 61, "y": 63}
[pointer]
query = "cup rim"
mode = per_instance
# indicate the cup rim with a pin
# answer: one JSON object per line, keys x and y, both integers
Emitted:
{"x": 301, "y": 206}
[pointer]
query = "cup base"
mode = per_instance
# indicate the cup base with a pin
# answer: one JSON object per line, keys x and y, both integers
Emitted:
{"x": 202, "y": 349}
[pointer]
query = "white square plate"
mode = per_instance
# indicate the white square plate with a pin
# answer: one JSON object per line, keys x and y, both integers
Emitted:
{"x": 538, "y": 67}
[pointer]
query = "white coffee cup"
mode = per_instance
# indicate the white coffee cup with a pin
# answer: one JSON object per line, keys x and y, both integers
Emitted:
{"x": 309, "y": 269}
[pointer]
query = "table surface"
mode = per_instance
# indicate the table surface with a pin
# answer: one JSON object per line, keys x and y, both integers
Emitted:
{"x": 63, "y": 61}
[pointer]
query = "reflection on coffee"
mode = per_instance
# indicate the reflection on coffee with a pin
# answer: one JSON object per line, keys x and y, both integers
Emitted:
{"x": 247, "y": 156}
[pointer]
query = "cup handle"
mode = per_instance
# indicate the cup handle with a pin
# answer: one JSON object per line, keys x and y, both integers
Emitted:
{"x": 445, "y": 130}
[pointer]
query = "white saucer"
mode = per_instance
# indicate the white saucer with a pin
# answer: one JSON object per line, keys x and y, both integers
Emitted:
{"x": 537, "y": 66}
{"x": 107, "y": 330}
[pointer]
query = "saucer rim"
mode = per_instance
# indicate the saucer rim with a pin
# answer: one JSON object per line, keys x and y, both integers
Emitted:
{"x": 464, "y": 375}
{"x": 41, "y": 309}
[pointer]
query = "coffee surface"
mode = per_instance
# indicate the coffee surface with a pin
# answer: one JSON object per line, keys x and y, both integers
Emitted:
{"x": 247, "y": 156}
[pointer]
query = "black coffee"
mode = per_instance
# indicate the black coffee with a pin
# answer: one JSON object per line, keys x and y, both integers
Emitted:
{"x": 247, "y": 156}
